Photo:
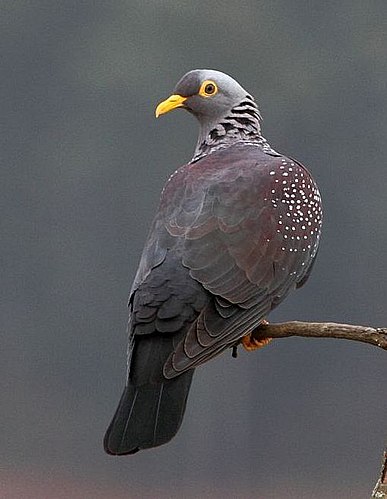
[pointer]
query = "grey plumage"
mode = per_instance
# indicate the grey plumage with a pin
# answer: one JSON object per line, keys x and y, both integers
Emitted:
{"x": 236, "y": 229}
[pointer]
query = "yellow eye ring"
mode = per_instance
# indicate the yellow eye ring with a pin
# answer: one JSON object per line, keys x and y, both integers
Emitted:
{"x": 208, "y": 88}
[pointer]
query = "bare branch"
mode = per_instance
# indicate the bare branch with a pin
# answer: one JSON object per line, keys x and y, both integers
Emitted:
{"x": 380, "y": 490}
{"x": 365, "y": 334}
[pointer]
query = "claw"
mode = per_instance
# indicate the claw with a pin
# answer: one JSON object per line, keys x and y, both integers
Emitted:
{"x": 250, "y": 343}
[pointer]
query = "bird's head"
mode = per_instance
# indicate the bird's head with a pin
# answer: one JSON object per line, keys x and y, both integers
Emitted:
{"x": 207, "y": 94}
{"x": 226, "y": 112}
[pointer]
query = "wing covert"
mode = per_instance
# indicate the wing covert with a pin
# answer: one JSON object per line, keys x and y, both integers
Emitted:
{"x": 246, "y": 226}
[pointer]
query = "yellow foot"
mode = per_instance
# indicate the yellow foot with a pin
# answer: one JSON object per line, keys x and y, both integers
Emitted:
{"x": 250, "y": 343}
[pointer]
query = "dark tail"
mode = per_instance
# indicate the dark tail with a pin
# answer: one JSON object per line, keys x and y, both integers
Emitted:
{"x": 151, "y": 408}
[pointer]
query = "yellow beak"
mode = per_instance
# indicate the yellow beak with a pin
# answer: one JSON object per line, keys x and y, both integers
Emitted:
{"x": 173, "y": 102}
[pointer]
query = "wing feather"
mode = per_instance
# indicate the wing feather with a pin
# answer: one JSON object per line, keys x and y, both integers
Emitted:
{"x": 234, "y": 225}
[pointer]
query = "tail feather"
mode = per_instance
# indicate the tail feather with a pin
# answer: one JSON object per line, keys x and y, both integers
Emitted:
{"x": 151, "y": 408}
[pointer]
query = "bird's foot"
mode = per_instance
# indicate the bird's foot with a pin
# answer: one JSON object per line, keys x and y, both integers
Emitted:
{"x": 250, "y": 343}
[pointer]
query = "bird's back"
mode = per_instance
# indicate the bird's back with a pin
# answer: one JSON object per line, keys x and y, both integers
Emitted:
{"x": 233, "y": 233}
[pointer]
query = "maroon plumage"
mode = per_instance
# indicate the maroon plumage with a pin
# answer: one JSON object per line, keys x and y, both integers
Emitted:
{"x": 243, "y": 224}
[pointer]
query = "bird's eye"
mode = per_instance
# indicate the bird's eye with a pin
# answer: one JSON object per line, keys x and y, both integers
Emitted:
{"x": 208, "y": 88}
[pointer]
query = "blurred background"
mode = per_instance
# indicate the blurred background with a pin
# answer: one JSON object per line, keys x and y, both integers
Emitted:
{"x": 83, "y": 161}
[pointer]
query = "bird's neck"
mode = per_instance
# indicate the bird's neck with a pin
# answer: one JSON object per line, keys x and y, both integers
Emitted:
{"x": 240, "y": 124}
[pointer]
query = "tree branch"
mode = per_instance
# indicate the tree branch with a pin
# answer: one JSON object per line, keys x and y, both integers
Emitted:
{"x": 380, "y": 490}
{"x": 365, "y": 334}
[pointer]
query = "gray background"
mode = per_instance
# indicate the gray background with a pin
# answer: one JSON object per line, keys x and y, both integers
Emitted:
{"x": 82, "y": 164}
